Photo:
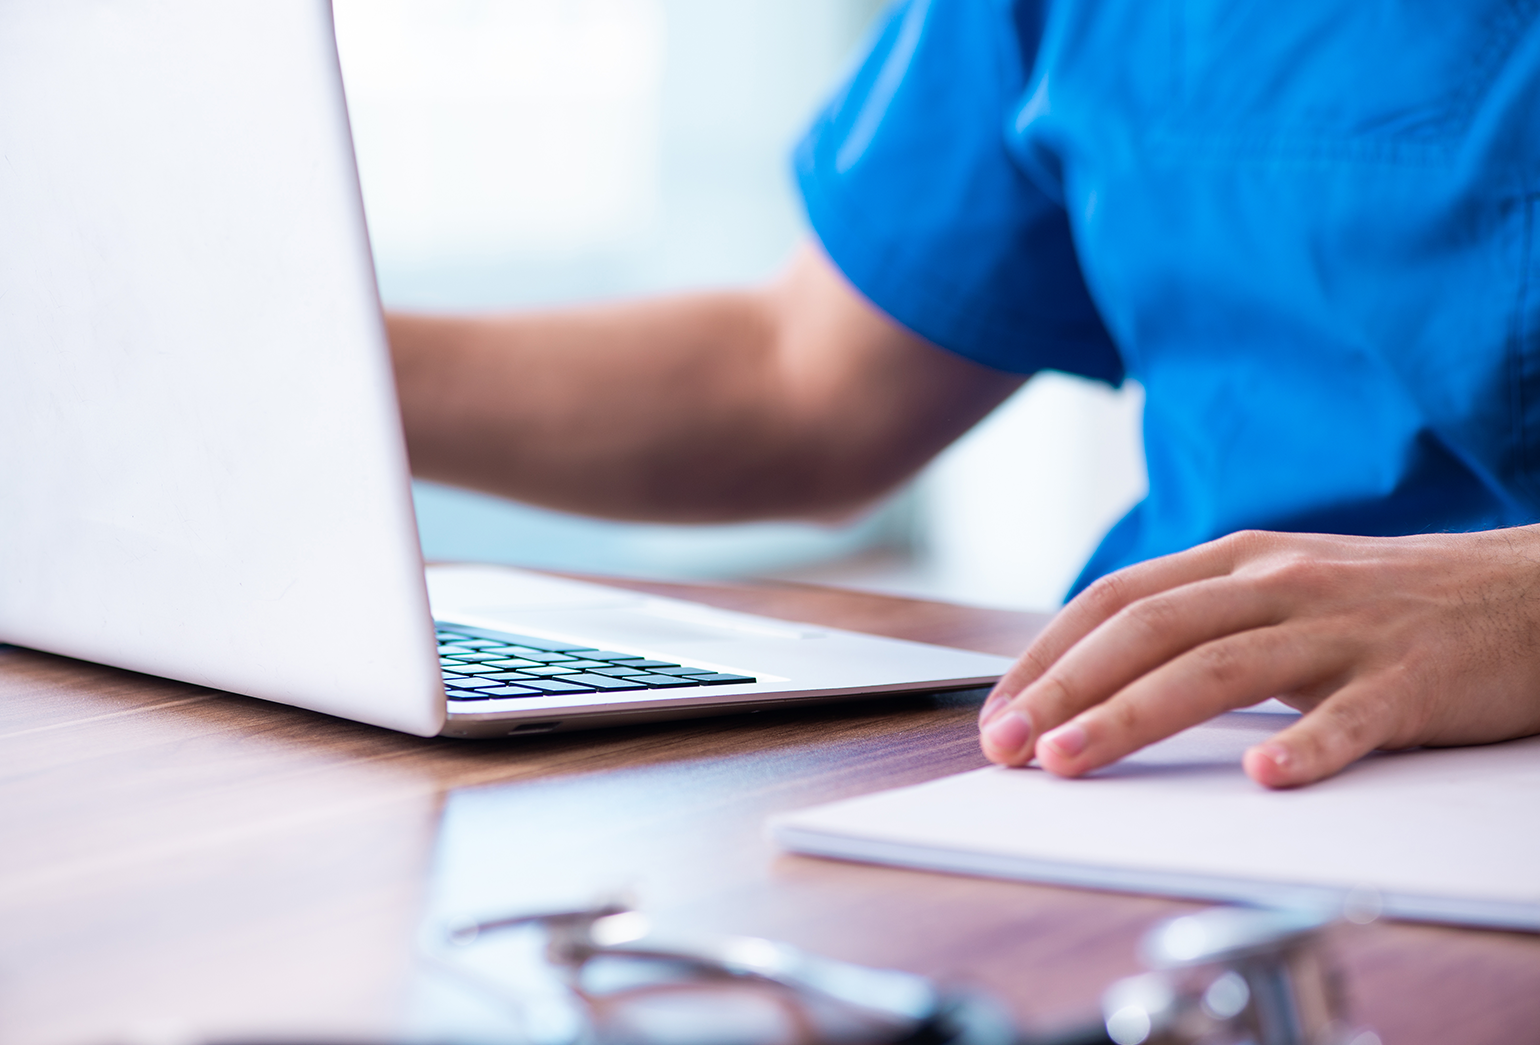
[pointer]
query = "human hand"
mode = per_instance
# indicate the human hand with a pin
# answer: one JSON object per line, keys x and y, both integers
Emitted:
{"x": 1383, "y": 642}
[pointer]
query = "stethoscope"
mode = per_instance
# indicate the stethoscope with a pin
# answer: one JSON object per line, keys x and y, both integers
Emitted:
{"x": 1224, "y": 976}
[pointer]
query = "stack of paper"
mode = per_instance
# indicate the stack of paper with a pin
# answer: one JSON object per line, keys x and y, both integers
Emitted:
{"x": 1450, "y": 835}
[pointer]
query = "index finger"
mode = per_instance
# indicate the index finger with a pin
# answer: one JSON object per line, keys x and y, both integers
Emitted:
{"x": 1100, "y": 602}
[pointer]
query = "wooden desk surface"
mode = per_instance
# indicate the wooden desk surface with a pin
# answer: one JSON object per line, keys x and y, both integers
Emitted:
{"x": 177, "y": 863}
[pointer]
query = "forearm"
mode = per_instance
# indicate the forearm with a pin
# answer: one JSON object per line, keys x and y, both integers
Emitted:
{"x": 606, "y": 410}
{"x": 794, "y": 399}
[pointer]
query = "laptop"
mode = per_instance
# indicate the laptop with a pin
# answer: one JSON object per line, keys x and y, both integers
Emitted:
{"x": 201, "y": 458}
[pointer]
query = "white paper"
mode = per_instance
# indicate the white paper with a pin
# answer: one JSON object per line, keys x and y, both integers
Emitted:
{"x": 1450, "y": 835}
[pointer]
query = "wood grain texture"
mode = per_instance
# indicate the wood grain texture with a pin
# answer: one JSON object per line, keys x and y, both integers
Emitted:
{"x": 179, "y": 863}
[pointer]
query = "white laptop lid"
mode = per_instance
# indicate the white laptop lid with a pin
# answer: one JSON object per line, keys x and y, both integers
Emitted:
{"x": 202, "y": 474}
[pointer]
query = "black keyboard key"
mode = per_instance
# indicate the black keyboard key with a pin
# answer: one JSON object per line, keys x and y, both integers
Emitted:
{"x": 471, "y": 669}
{"x": 721, "y": 679}
{"x": 611, "y": 655}
{"x": 508, "y": 676}
{"x": 469, "y": 657}
{"x": 617, "y": 672}
{"x": 647, "y": 665}
{"x": 547, "y": 670}
{"x": 579, "y": 665}
{"x": 513, "y": 662}
{"x": 683, "y": 671}
{"x": 472, "y": 683}
{"x": 662, "y": 681}
{"x": 546, "y": 658}
{"x": 556, "y": 686}
{"x": 603, "y": 682}
{"x": 517, "y": 651}
{"x": 496, "y": 693}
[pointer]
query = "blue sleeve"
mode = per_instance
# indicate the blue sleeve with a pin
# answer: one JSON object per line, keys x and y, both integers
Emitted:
{"x": 912, "y": 193}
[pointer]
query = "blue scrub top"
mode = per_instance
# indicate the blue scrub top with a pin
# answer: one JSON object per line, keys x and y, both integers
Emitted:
{"x": 1308, "y": 228}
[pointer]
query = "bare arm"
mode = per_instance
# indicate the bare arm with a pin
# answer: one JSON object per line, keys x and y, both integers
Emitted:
{"x": 795, "y": 399}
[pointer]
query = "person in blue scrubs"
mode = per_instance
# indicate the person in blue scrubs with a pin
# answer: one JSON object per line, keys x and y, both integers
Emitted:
{"x": 1308, "y": 230}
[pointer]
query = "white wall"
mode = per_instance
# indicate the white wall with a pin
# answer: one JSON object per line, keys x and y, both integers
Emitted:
{"x": 1012, "y": 511}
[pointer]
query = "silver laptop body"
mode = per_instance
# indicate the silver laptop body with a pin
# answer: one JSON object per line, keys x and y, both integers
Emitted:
{"x": 202, "y": 473}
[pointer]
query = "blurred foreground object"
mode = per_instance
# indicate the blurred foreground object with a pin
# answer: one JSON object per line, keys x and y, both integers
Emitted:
{"x": 1226, "y": 976}
{"x": 1233, "y": 975}
{"x": 627, "y": 984}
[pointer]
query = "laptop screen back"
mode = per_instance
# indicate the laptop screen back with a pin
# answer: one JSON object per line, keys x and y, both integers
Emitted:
{"x": 201, "y": 458}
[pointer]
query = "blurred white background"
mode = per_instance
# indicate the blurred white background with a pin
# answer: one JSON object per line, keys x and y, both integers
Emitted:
{"x": 519, "y": 153}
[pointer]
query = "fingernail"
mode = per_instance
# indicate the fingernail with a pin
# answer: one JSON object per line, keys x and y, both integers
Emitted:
{"x": 1008, "y": 734}
{"x": 1068, "y": 740}
{"x": 995, "y": 702}
{"x": 1277, "y": 754}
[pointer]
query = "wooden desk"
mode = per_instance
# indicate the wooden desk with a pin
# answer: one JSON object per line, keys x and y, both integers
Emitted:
{"x": 175, "y": 862}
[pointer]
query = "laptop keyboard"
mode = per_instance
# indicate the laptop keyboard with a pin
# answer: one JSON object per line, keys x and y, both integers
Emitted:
{"x": 488, "y": 665}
